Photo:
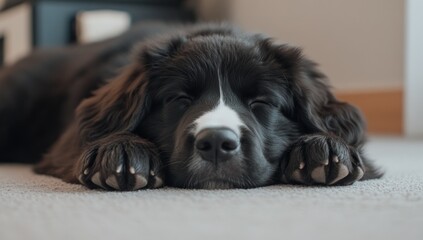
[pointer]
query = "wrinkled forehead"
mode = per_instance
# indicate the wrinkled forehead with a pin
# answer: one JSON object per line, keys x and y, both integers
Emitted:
{"x": 202, "y": 68}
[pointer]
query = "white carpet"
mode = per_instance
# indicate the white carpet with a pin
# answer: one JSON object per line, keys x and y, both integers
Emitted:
{"x": 40, "y": 207}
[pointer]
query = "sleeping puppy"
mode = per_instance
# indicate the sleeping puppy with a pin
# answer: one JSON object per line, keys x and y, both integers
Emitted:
{"x": 202, "y": 106}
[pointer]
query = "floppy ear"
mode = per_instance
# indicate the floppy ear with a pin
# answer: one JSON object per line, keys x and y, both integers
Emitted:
{"x": 316, "y": 108}
{"x": 118, "y": 106}
{"x": 124, "y": 102}
{"x": 320, "y": 111}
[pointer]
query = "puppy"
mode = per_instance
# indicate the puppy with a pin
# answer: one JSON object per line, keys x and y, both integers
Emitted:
{"x": 201, "y": 106}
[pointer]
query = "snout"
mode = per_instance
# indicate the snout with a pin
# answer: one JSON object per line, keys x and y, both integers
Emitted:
{"x": 217, "y": 144}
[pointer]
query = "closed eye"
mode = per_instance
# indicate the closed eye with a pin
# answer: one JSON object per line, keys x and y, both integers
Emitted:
{"x": 182, "y": 98}
{"x": 260, "y": 102}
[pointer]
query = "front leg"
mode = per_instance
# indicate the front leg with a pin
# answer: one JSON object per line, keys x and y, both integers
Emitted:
{"x": 322, "y": 160}
{"x": 121, "y": 161}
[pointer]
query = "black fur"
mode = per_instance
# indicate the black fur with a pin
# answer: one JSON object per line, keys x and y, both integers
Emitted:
{"x": 90, "y": 109}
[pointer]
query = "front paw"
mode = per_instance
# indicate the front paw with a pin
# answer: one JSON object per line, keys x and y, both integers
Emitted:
{"x": 324, "y": 160}
{"x": 120, "y": 162}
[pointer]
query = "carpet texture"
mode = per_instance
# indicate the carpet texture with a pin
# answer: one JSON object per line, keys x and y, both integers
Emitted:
{"x": 41, "y": 207}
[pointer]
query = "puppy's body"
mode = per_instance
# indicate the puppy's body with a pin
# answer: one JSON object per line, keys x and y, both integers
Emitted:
{"x": 40, "y": 93}
{"x": 202, "y": 107}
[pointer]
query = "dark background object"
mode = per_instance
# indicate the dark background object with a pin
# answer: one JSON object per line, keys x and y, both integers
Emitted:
{"x": 10, "y": 3}
{"x": 1, "y": 51}
{"x": 53, "y": 20}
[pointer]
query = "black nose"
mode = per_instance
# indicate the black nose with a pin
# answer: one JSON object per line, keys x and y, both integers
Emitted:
{"x": 217, "y": 144}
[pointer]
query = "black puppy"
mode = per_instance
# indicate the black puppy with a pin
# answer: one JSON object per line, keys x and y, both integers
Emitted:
{"x": 203, "y": 106}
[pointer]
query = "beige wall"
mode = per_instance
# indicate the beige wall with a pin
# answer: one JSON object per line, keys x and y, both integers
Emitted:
{"x": 358, "y": 43}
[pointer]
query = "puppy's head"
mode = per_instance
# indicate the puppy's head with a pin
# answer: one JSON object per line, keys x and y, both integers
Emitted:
{"x": 222, "y": 108}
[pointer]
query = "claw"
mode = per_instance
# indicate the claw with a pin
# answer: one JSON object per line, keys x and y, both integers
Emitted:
{"x": 158, "y": 182}
{"x": 140, "y": 182}
{"x": 96, "y": 180}
{"x": 112, "y": 182}
{"x": 297, "y": 176}
{"x": 360, "y": 173}
{"x": 119, "y": 169}
{"x": 319, "y": 175}
{"x": 342, "y": 173}
{"x": 336, "y": 159}
{"x": 81, "y": 179}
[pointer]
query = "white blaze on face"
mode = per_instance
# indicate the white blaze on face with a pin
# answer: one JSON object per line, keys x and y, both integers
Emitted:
{"x": 221, "y": 116}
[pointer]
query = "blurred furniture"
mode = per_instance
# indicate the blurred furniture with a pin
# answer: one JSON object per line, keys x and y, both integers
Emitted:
{"x": 50, "y": 23}
{"x": 97, "y": 25}
{"x": 15, "y": 30}
{"x": 54, "y": 20}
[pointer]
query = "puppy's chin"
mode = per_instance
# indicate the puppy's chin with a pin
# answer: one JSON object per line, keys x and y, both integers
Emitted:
{"x": 215, "y": 184}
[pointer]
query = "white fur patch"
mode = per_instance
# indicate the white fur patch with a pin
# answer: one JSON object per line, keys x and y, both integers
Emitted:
{"x": 222, "y": 116}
